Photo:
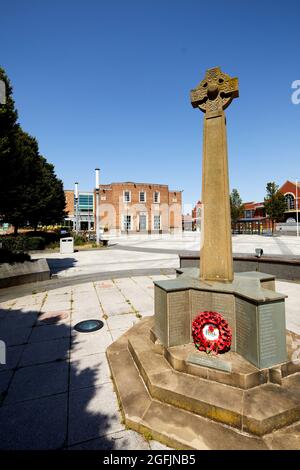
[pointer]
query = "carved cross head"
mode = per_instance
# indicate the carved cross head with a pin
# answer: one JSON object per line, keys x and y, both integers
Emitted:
{"x": 215, "y": 92}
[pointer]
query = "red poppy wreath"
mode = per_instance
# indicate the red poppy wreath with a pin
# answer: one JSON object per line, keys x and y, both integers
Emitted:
{"x": 211, "y": 333}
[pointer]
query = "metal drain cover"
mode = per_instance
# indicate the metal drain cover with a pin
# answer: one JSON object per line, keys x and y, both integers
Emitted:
{"x": 88, "y": 326}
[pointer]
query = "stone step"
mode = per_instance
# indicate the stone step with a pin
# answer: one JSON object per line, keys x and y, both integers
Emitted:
{"x": 259, "y": 410}
{"x": 172, "y": 426}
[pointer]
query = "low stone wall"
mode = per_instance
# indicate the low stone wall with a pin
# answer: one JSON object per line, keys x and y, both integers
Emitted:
{"x": 23, "y": 273}
{"x": 283, "y": 267}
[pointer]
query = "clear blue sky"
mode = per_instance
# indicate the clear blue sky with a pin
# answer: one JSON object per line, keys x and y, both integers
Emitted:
{"x": 106, "y": 83}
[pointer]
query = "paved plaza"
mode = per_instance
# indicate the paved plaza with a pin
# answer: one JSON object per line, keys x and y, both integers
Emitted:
{"x": 56, "y": 389}
{"x": 56, "y": 386}
{"x": 155, "y": 252}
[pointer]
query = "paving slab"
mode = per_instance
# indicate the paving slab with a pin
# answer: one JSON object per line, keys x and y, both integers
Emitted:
{"x": 49, "y": 332}
{"x": 85, "y": 344}
{"x": 14, "y": 336}
{"x": 34, "y": 425}
{"x": 93, "y": 412}
{"x": 5, "y": 377}
{"x": 116, "y": 334}
{"x": 13, "y": 355}
{"x": 125, "y": 322}
{"x": 121, "y": 440}
{"x": 45, "y": 351}
{"x": 54, "y": 317}
{"x": 18, "y": 318}
{"x": 38, "y": 381}
{"x": 88, "y": 371}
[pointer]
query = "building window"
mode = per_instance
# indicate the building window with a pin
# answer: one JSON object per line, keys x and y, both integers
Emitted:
{"x": 126, "y": 196}
{"x": 249, "y": 214}
{"x": 86, "y": 203}
{"x": 127, "y": 222}
{"x": 156, "y": 222}
{"x": 142, "y": 196}
{"x": 156, "y": 196}
{"x": 290, "y": 201}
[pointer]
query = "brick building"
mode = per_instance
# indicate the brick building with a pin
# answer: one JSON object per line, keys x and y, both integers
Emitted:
{"x": 139, "y": 207}
{"x": 291, "y": 191}
{"x": 254, "y": 219}
{"x": 196, "y": 216}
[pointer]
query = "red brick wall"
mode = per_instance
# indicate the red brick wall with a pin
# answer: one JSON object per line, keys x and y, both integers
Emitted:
{"x": 112, "y": 205}
{"x": 69, "y": 194}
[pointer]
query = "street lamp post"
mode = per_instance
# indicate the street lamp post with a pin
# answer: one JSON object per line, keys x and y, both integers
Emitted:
{"x": 97, "y": 181}
{"x": 76, "y": 207}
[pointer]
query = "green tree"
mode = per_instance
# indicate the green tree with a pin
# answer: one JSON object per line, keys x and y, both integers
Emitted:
{"x": 48, "y": 197}
{"x": 275, "y": 203}
{"x": 236, "y": 206}
{"x": 30, "y": 192}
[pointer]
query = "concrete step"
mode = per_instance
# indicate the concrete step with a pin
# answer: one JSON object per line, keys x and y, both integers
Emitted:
{"x": 172, "y": 426}
{"x": 258, "y": 410}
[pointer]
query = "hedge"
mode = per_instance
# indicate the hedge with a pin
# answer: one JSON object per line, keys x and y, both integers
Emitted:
{"x": 21, "y": 243}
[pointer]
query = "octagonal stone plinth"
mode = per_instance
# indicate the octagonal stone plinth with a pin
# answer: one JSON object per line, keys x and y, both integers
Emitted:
{"x": 254, "y": 311}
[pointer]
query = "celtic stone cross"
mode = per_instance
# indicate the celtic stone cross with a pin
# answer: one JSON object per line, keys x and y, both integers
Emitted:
{"x": 213, "y": 94}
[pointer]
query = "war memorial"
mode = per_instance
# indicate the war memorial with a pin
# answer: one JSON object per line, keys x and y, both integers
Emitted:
{"x": 213, "y": 369}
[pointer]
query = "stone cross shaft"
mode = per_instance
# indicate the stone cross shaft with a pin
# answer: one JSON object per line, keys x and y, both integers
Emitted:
{"x": 213, "y": 94}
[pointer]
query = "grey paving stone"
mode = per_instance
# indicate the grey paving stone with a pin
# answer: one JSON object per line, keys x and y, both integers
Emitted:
{"x": 18, "y": 319}
{"x": 38, "y": 381}
{"x": 89, "y": 371}
{"x": 34, "y": 425}
{"x": 117, "y": 333}
{"x": 118, "y": 322}
{"x": 54, "y": 317}
{"x": 13, "y": 355}
{"x": 49, "y": 332}
{"x": 155, "y": 445}
{"x": 5, "y": 377}
{"x": 123, "y": 440}
{"x": 85, "y": 344}
{"x": 93, "y": 412}
{"x": 13, "y": 336}
{"x": 46, "y": 351}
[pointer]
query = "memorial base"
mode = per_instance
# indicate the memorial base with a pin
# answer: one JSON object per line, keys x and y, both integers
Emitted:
{"x": 250, "y": 305}
{"x": 189, "y": 406}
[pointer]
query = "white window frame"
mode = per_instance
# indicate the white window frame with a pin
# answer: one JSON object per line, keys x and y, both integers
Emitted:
{"x": 129, "y": 192}
{"x": 125, "y": 227}
{"x": 145, "y": 215}
{"x": 288, "y": 208}
{"x": 158, "y": 199}
{"x": 153, "y": 224}
{"x": 145, "y": 197}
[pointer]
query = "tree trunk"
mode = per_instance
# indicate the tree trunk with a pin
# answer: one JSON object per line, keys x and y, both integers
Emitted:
{"x": 16, "y": 230}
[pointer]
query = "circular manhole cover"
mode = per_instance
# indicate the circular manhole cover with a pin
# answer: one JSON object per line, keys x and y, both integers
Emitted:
{"x": 88, "y": 326}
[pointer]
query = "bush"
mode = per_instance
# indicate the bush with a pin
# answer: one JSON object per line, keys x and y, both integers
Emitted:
{"x": 7, "y": 256}
{"x": 35, "y": 243}
{"x": 79, "y": 240}
{"x": 22, "y": 243}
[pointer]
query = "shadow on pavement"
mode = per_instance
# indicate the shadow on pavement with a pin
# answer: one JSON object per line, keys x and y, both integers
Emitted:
{"x": 46, "y": 401}
{"x": 57, "y": 265}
